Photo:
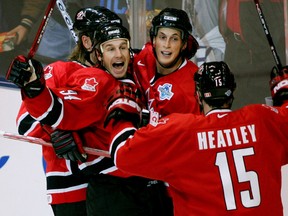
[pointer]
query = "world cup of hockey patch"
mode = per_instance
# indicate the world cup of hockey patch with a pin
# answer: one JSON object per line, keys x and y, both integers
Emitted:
{"x": 165, "y": 91}
{"x": 90, "y": 84}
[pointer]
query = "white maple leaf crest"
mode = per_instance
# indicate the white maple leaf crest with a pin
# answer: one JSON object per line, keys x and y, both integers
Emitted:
{"x": 90, "y": 84}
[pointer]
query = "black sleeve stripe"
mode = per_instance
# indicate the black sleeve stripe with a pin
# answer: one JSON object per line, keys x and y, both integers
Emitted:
{"x": 100, "y": 166}
{"x": 60, "y": 182}
{"x": 75, "y": 178}
{"x": 54, "y": 114}
{"x": 79, "y": 176}
{"x": 26, "y": 124}
{"x": 121, "y": 137}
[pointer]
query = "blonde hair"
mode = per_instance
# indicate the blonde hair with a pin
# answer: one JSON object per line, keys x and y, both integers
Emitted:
{"x": 78, "y": 53}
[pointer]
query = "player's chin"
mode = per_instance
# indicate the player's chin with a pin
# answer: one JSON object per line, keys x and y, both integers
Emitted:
{"x": 165, "y": 62}
{"x": 166, "y": 59}
{"x": 118, "y": 73}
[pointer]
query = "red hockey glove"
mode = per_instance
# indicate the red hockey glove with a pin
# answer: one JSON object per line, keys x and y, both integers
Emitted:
{"x": 27, "y": 74}
{"x": 124, "y": 103}
{"x": 68, "y": 145}
{"x": 279, "y": 85}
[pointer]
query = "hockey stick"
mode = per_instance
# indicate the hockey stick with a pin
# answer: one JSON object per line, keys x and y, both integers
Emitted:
{"x": 268, "y": 35}
{"x": 41, "y": 29}
{"x": 62, "y": 8}
{"x": 39, "y": 141}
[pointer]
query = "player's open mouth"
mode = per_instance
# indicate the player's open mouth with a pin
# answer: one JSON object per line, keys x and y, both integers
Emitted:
{"x": 165, "y": 53}
{"x": 118, "y": 65}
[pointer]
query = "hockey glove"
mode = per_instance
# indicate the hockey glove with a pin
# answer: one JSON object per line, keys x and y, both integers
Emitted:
{"x": 27, "y": 74}
{"x": 279, "y": 85}
{"x": 124, "y": 104}
{"x": 68, "y": 145}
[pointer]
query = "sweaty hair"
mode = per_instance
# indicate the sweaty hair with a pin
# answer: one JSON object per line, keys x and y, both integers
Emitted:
{"x": 79, "y": 53}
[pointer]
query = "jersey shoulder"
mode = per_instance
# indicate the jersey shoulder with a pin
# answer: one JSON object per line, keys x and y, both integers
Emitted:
{"x": 145, "y": 58}
{"x": 92, "y": 79}
{"x": 57, "y": 73}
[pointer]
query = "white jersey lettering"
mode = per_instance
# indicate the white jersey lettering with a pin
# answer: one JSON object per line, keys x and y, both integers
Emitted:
{"x": 227, "y": 137}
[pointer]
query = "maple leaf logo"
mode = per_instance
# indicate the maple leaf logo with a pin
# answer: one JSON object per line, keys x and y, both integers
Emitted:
{"x": 90, "y": 84}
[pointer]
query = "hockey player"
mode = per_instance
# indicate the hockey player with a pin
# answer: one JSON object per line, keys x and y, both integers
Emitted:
{"x": 81, "y": 106}
{"x": 224, "y": 163}
{"x": 66, "y": 184}
{"x": 163, "y": 68}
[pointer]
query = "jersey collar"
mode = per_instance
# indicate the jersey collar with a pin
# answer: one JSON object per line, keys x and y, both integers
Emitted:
{"x": 218, "y": 111}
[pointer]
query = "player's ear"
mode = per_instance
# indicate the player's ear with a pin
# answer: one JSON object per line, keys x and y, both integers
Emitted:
{"x": 198, "y": 97}
{"x": 87, "y": 43}
{"x": 98, "y": 55}
{"x": 153, "y": 42}
{"x": 184, "y": 46}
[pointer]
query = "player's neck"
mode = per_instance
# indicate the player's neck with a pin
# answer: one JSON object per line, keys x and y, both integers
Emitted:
{"x": 207, "y": 108}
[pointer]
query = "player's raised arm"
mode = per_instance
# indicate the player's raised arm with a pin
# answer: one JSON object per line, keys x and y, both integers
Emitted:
{"x": 27, "y": 74}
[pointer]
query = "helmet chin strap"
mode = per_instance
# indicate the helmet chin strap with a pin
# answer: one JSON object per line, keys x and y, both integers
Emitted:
{"x": 87, "y": 57}
{"x": 101, "y": 64}
{"x": 90, "y": 35}
{"x": 87, "y": 54}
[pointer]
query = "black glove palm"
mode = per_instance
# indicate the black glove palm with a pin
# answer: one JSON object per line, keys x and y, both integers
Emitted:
{"x": 21, "y": 71}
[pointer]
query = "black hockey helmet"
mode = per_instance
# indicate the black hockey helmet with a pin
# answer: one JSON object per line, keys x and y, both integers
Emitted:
{"x": 88, "y": 19}
{"x": 279, "y": 85}
{"x": 108, "y": 32}
{"x": 215, "y": 83}
{"x": 176, "y": 18}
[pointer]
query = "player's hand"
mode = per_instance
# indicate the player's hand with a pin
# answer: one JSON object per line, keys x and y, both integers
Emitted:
{"x": 27, "y": 74}
{"x": 21, "y": 33}
{"x": 8, "y": 41}
{"x": 68, "y": 145}
{"x": 124, "y": 104}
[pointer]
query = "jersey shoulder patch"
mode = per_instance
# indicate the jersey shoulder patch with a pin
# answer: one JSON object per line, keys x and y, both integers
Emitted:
{"x": 90, "y": 84}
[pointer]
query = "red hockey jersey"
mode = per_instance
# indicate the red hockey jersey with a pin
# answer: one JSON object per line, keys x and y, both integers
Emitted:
{"x": 65, "y": 183}
{"x": 80, "y": 106}
{"x": 227, "y": 163}
{"x": 167, "y": 94}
